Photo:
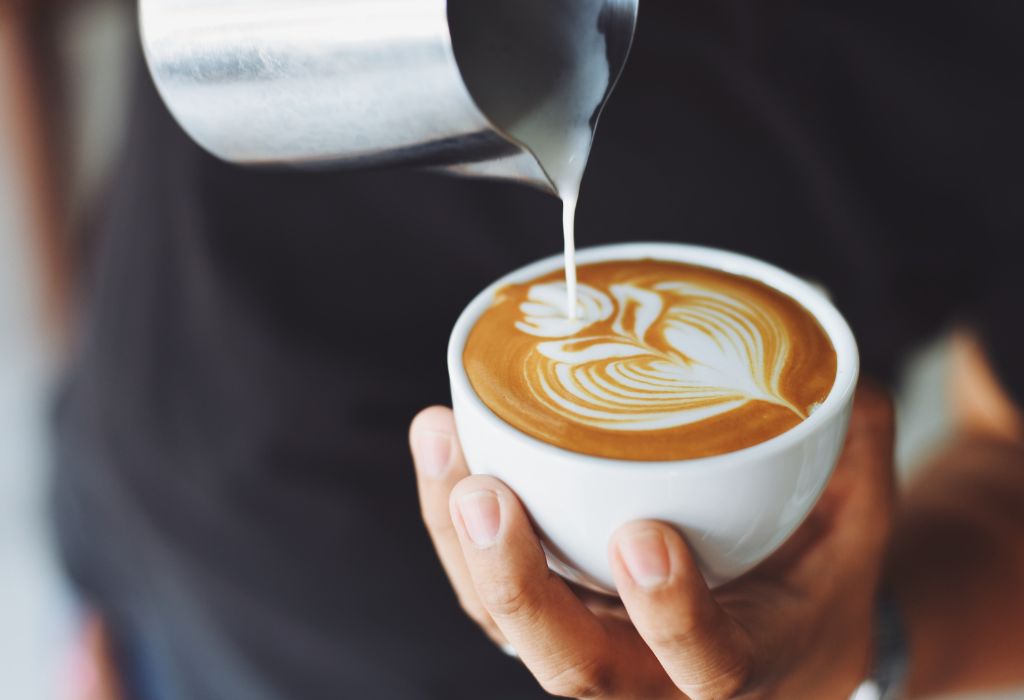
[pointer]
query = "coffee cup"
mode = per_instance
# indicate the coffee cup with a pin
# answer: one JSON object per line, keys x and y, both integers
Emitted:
{"x": 734, "y": 508}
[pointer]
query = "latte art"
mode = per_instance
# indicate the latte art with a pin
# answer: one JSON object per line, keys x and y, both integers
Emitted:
{"x": 659, "y": 361}
{"x": 678, "y": 353}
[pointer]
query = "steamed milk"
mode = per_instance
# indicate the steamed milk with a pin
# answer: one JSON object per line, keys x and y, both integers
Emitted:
{"x": 540, "y": 71}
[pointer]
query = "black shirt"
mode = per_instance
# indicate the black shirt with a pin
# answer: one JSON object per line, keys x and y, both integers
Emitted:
{"x": 234, "y": 482}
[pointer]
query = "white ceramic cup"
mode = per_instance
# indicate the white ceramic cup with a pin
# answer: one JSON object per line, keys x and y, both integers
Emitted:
{"x": 734, "y": 509}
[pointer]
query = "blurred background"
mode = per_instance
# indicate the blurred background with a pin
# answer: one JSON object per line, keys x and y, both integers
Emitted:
{"x": 38, "y": 619}
{"x": 39, "y": 623}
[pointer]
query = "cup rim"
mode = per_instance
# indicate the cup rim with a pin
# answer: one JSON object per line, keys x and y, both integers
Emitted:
{"x": 804, "y": 293}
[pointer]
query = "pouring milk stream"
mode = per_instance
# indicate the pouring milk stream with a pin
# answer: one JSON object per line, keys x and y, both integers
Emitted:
{"x": 543, "y": 79}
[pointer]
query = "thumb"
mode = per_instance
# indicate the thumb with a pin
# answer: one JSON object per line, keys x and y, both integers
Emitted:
{"x": 703, "y": 650}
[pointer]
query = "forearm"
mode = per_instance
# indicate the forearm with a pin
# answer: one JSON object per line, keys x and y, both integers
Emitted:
{"x": 31, "y": 109}
{"x": 957, "y": 567}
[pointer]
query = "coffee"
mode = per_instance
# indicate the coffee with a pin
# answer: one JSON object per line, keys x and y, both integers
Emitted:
{"x": 661, "y": 361}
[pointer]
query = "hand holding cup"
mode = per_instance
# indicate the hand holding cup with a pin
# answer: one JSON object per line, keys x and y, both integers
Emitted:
{"x": 797, "y": 626}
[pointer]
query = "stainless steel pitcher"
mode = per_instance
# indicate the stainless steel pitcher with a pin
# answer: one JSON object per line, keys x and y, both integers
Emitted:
{"x": 347, "y": 83}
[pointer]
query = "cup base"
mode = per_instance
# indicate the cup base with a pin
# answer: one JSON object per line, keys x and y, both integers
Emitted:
{"x": 574, "y": 575}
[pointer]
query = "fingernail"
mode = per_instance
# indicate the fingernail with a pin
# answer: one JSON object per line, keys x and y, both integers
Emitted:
{"x": 646, "y": 557}
{"x": 433, "y": 452}
{"x": 481, "y": 513}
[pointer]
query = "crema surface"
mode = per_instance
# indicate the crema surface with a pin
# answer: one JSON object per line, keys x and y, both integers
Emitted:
{"x": 662, "y": 361}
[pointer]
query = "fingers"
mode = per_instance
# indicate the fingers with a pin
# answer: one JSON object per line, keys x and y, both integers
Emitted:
{"x": 706, "y": 654}
{"x": 439, "y": 467}
{"x": 870, "y": 441}
{"x": 556, "y": 636}
{"x": 872, "y": 428}
{"x": 865, "y": 471}
{"x": 854, "y": 514}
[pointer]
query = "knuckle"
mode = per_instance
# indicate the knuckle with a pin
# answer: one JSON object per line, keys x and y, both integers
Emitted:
{"x": 722, "y": 686}
{"x": 689, "y": 626}
{"x": 586, "y": 679}
{"x": 677, "y": 639}
{"x": 716, "y": 665}
{"x": 509, "y": 597}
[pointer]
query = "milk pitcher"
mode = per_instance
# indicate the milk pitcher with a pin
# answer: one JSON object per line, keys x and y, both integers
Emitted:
{"x": 354, "y": 83}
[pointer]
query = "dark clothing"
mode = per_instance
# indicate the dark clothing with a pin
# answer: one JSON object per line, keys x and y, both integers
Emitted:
{"x": 234, "y": 480}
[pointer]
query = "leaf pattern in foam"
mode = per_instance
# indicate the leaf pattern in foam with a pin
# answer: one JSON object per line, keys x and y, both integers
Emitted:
{"x": 638, "y": 308}
{"x": 741, "y": 342}
{"x": 709, "y": 354}
{"x": 544, "y": 312}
